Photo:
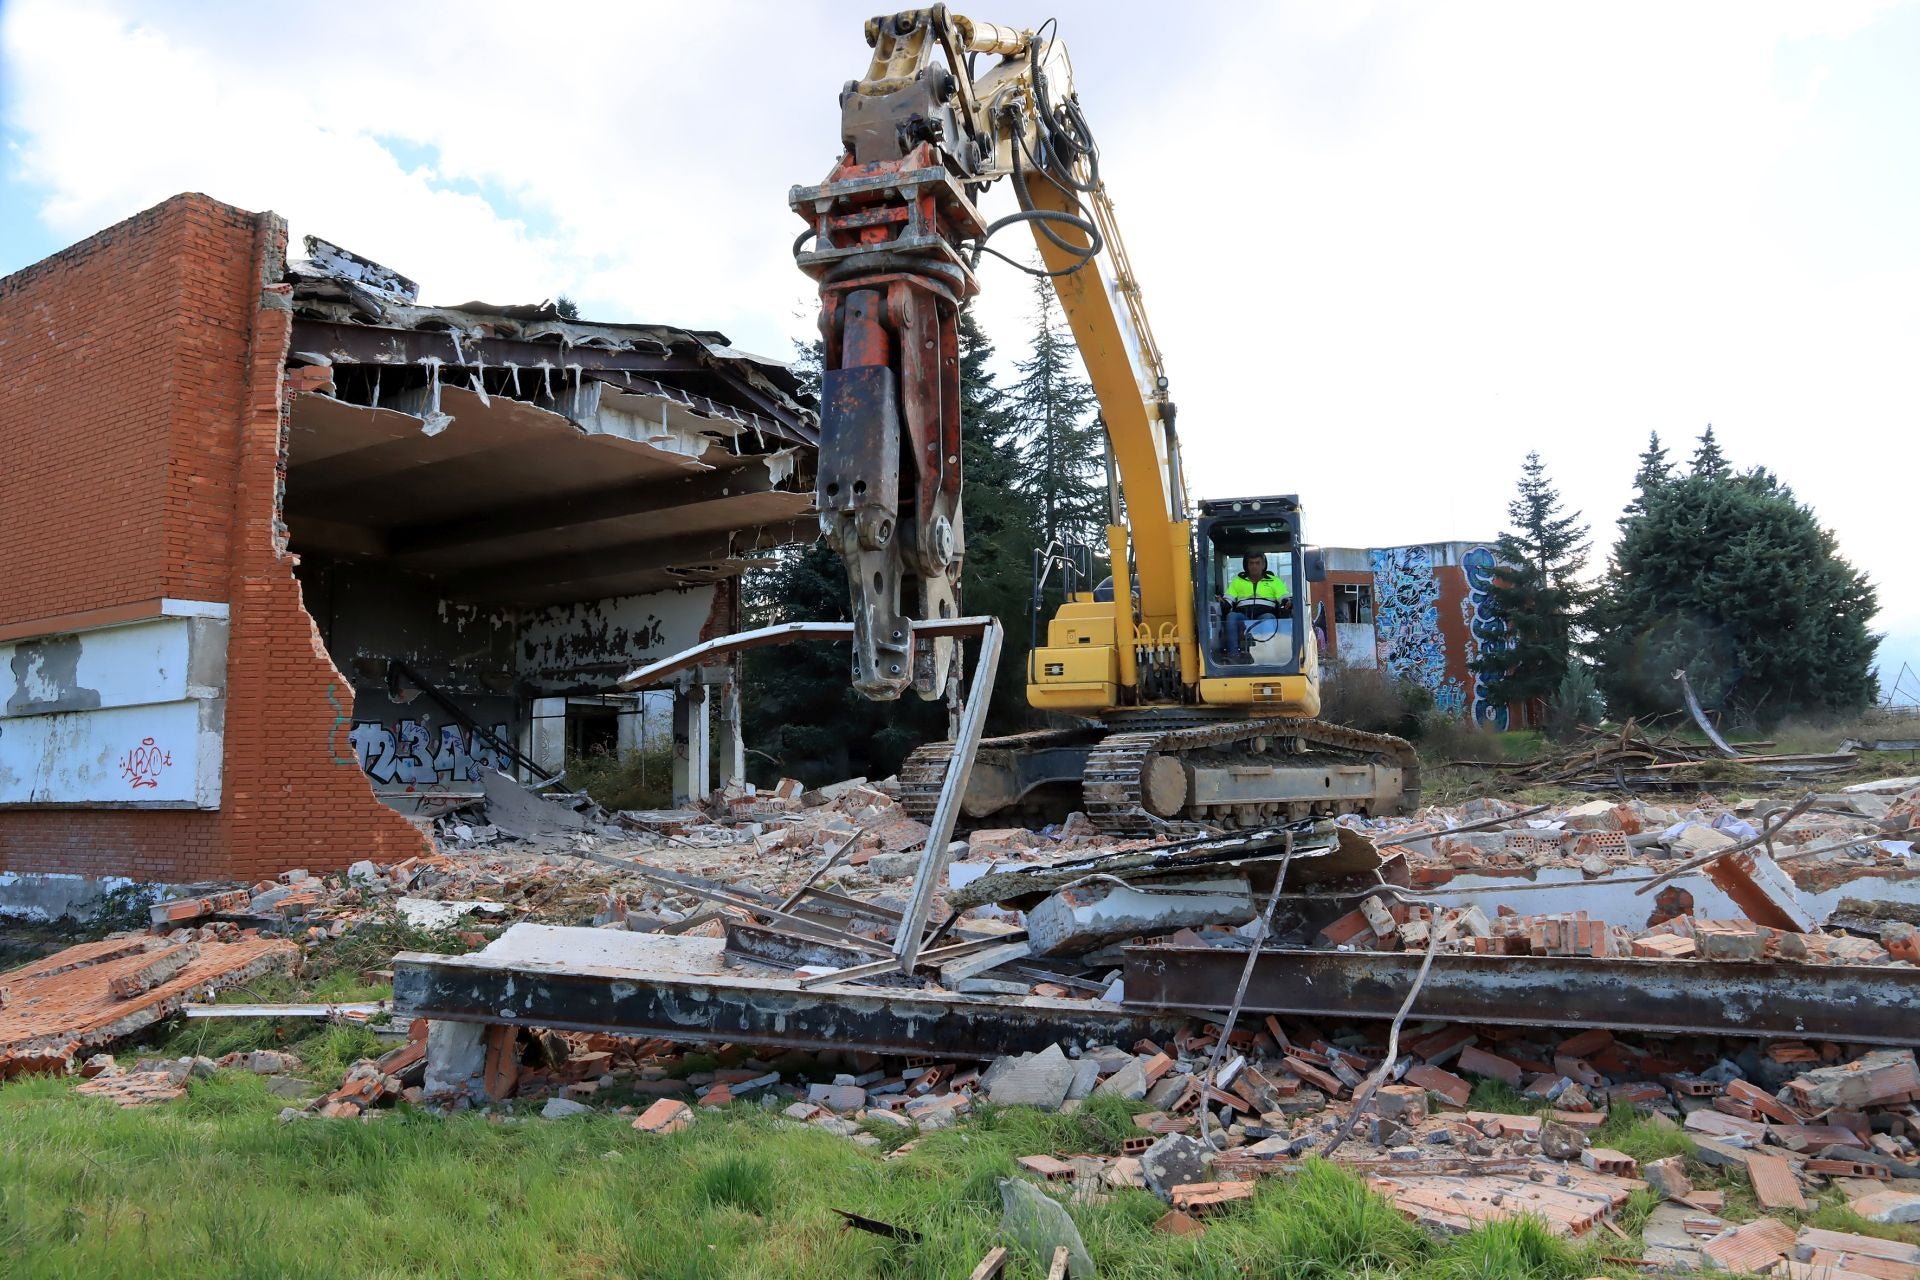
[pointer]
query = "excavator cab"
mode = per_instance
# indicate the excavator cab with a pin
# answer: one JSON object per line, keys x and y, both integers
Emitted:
{"x": 1251, "y": 579}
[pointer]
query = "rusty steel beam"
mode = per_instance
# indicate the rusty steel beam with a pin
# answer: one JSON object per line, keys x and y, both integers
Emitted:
{"x": 1855, "y": 1004}
{"x": 708, "y": 1007}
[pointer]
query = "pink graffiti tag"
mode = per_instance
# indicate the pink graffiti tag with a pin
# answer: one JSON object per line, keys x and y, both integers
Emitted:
{"x": 142, "y": 765}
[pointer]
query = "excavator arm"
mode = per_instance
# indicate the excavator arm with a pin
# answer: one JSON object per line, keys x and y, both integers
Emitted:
{"x": 893, "y": 237}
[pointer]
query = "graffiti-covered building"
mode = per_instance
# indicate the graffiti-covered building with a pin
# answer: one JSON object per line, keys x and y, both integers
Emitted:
{"x": 288, "y": 557}
{"x": 1418, "y": 613}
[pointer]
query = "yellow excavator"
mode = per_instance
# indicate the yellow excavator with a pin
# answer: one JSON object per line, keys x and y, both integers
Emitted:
{"x": 1190, "y": 679}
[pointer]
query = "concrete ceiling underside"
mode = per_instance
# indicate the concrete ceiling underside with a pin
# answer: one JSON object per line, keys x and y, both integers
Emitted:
{"x": 504, "y": 502}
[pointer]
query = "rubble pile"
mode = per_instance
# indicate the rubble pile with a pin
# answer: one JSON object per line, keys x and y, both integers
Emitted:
{"x": 1456, "y": 1122}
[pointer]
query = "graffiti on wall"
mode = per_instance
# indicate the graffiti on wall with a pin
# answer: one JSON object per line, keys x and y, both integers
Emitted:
{"x": 142, "y": 765}
{"x": 1484, "y": 631}
{"x": 1408, "y": 642}
{"x": 413, "y": 753}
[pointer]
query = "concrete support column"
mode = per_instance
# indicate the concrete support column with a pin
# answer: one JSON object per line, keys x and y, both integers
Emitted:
{"x": 692, "y": 746}
{"x": 546, "y": 739}
{"x": 733, "y": 743}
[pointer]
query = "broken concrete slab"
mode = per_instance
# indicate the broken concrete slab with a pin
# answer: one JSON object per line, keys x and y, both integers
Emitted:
{"x": 1173, "y": 1161}
{"x": 518, "y": 812}
{"x": 1036, "y": 1080}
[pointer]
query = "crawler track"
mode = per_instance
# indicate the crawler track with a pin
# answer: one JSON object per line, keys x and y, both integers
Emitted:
{"x": 1114, "y": 778}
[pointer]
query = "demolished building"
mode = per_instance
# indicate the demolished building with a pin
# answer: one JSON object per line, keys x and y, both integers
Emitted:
{"x": 291, "y": 557}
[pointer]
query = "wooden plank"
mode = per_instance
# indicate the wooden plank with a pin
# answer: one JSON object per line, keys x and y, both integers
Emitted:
{"x": 1773, "y": 1182}
{"x": 1058, "y": 1271}
{"x": 991, "y": 1265}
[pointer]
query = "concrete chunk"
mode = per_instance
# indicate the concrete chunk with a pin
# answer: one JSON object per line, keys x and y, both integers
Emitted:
{"x": 1036, "y": 1080}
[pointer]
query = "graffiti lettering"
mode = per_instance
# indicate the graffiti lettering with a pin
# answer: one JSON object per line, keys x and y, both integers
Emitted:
{"x": 141, "y": 766}
{"x": 411, "y": 754}
{"x": 1485, "y": 632}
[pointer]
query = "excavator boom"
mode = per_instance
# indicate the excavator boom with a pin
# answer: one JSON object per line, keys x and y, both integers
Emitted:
{"x": 1184, "y": 696}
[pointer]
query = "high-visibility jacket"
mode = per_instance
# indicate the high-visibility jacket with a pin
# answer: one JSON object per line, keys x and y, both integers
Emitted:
{"x": 1269, "y": 587}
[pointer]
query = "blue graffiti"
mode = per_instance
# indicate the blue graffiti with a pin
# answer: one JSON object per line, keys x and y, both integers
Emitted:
{"x": 1406, "y": 618}
{"x": 1485, "y": 633}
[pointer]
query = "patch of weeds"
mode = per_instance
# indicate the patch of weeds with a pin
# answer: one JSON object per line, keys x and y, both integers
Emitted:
{"x": 1834, "y": 1215}
{"x": 693, "y": 1064}
{"x": 227, "y": 1093}
{"x": 328, "y": 1054}
{"x": 736, "y": 1179}
{"x": 1510, "y": 1249}
{"x": 1497, "y": 1095}
{"x": 1324, "y": 1222}
{"x": 1642, "y": 1137}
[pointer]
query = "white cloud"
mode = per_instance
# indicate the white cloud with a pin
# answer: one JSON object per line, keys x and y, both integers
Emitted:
{"x": 1388, "y": 247}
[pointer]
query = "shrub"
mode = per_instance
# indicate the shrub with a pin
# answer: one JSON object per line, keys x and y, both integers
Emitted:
{"x": 635, "y": 780}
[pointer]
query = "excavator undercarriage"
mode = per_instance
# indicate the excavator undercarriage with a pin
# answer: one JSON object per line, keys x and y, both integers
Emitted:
{"x": 1136, "y": 771}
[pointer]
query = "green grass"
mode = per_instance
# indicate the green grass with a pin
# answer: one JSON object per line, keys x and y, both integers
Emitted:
{"x": 214, "y": 1186}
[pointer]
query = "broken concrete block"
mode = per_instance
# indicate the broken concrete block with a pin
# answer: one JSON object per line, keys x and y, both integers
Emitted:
{"x": 1404, "y": 1103}
{"x": 561, "y": 1108}
{"x": 1888, "y": 1206}
{"x": 1729, "y": 940}
{"x": 1086, "y": 1074}
{"x": 1598, "y": 815}
{"x": 1041, "y": 1225}
{"x": 1668, "y": 1177}
{"x": 1129, "y": 1082}
{"x": 1173, "y": 1161}
{"x": 1034, "y": 1080}
{"x": 837, "y": 1097}
{"x": 1878, "y": 1077}
{"x": 894, "y": 866}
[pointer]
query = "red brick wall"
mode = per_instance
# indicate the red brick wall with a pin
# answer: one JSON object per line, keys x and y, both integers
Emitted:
{"x": 141, "y": 377}
{"x": 88, "y": 342}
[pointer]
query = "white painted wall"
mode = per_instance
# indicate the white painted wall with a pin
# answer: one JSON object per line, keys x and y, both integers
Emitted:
{"x": 126, "y": 716}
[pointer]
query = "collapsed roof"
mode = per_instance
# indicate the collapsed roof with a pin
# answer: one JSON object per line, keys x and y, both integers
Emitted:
{"x": 521, "y": 456}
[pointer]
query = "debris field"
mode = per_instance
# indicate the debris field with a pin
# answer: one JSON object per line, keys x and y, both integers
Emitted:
{"x": 745, "y": 952}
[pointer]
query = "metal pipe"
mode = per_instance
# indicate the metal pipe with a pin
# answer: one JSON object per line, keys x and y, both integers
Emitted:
{"x": 933, "y": 863}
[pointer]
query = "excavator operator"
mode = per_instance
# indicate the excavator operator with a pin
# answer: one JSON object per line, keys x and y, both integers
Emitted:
{"x": 1252, "y": 595}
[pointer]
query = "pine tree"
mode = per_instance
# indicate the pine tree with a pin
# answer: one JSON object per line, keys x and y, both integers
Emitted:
{"x": 800, "y": 712}
{"x": 1536, "y": 593}
{"x": 1727, "y": 576}
{"x": 1654, "y": 471}
{"x": 1064, "y": 454}
{"x": 1708, "y": 461}
{"x": 999, "y": 521}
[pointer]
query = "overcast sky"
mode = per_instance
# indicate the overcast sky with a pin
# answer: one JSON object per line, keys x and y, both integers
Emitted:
{"x": 1387, "y": 248}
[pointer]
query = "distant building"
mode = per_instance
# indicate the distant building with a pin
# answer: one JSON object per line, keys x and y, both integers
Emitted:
{"x": 1419, "y": 613}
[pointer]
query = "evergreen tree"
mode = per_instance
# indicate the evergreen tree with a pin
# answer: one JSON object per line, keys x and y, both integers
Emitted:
{"x": 1000, "y": 526}
{"x": 1536, "y": 594}
{"x": 1064, "y": 458}
{"x": 1708, "y": 461}
{"x": 1654, "y": 471}
{"x": 801, "y": 715}
{"x": 1727, "y": 575}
